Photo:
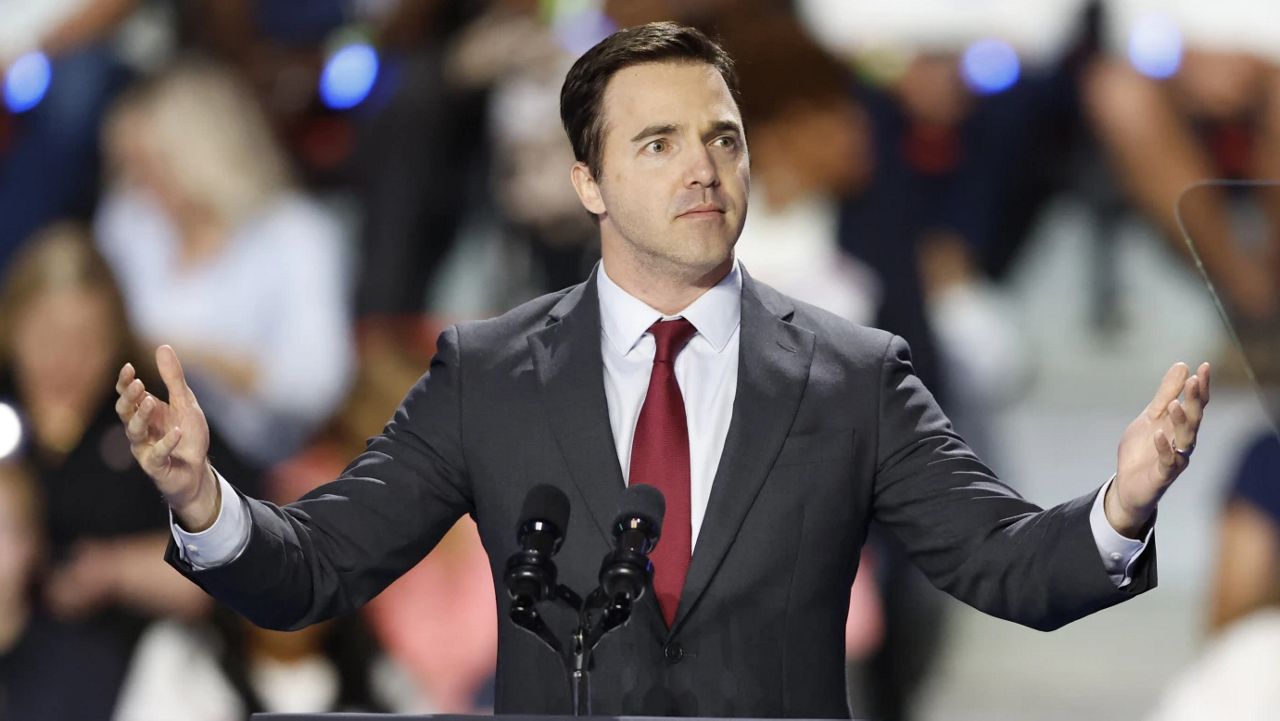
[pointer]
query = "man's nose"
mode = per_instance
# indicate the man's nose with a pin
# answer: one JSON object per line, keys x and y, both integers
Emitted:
{"x": 702, "y": 170}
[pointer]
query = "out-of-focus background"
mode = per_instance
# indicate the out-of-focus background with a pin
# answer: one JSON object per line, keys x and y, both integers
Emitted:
{"x": 299, "y": 196}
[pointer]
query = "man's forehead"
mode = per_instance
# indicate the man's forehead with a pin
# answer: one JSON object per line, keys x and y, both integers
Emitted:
{"x": 682, "y": 94}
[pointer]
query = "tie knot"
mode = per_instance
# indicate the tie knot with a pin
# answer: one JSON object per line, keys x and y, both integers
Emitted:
{"x": 671, "y": 337}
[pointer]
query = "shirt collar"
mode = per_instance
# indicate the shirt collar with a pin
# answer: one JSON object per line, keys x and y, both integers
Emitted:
{"x": 625, "y": 318}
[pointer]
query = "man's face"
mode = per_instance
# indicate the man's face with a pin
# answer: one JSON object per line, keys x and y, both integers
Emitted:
{"x": 672, "y": 192}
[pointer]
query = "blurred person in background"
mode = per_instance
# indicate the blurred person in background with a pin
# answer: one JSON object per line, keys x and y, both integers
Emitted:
{"x": 1247, "y": 571}
{"x": 420, "y": 158}
{"x": 62, "y": 326}
{"x": 50, "y": 167}
{"x": 248, "y": 275}
{"x": 810, "y": 151}
{"x": 48, "y": 669}
{"x": 962, "y": 101}
{"x": 521, "y": 53}
{"x": 411, "y": 153}
{"x": 1234, "y": 675}
{"x": 1187, "y": 92}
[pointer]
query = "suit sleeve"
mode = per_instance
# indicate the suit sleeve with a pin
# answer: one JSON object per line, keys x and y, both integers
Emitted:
{"x": 973, "y": 536}
{"x": 341, "y": 544}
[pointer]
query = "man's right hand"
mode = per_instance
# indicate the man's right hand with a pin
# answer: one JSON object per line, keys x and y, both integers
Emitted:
{"x": 171, "y": 441}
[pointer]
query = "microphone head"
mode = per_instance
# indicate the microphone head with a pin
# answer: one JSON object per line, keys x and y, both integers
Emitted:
{"x": 644, "y": 502}
{"x": 547, "y": 504}
{"x": 627, "y": 569}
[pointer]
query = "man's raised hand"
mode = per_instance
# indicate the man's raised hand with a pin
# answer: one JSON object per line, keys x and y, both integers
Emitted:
{"x": 171, "y": 440}
{"x": 1156, "y": 447}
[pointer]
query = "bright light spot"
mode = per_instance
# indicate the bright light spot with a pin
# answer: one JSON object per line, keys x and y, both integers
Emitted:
{"x": 349, "y": 76}
{"x": 27, "y": 81}
{"x": 10, "y": 430}
{"x": 1155, "y": 46}
{"x": 990, "y": 67}
{"x": 578, "y": 31}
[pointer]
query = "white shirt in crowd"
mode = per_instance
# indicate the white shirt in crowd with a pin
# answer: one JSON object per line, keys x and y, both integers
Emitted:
{"x": 176, "y": 674}
{"x": 277, "y": 295}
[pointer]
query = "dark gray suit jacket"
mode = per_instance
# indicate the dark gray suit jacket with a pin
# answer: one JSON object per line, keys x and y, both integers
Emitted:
{"x": 830, "y": 428}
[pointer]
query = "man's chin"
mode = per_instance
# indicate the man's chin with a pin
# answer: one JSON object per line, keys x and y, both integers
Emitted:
{"x": 715, "y": 261}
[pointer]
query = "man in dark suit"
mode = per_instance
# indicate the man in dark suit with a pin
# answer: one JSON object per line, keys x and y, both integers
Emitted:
{"x": 776, "y": 431}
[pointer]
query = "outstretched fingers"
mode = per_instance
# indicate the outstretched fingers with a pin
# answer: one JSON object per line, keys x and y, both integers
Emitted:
{"x": 126, "y": 376}
{"x": 158, "y": 455}
{"x": 1185, "y": 414}
{"x": 172, "y": 375}
{"x": 1170, "y": 388}
{"x": 130, "y": 396}
{"x": 1184, "y": 430}
{"x": 1195, "y": 394}
{"x": 138, "y": 427}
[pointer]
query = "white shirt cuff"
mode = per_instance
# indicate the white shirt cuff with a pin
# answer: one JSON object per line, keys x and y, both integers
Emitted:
{"x": 1118, "y": 552}
{"x": 221, "y": 543}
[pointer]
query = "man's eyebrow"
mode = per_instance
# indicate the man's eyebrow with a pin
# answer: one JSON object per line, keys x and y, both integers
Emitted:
{"x": 718, "y": 127}
{"x": 723, "y": 126}
{"x": 655, "y": 129}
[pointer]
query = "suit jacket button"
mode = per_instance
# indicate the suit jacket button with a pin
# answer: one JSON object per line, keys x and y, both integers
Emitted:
{"x": 674, "y": 652}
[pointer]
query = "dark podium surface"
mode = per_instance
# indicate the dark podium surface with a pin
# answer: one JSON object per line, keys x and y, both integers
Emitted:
{"x": 460, "y": 717}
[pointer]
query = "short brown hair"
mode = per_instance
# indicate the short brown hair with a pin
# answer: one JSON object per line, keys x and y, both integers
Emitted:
{"x": 582, "y": 95}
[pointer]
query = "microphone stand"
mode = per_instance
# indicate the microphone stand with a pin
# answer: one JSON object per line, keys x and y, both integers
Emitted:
{"x": 588, "y": 634}
{"x": 591, "y": 628}
{"x": 624, "y": 574}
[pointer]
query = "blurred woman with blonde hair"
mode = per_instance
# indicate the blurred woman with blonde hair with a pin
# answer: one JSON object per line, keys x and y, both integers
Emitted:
{"x": 219, "y": 254}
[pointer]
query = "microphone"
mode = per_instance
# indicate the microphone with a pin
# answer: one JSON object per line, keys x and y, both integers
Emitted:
{"x": 544, "y": 518}
{"x": 627, "y": 569}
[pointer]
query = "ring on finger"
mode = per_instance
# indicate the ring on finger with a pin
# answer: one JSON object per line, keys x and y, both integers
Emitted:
{"x": 1184, "y": 453}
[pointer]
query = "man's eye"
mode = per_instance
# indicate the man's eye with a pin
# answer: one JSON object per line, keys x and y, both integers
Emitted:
{"x": 657, "y": 146}
{"x": 727, "y": 142}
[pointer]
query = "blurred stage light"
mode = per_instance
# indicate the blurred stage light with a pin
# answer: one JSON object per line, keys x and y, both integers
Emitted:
{"x": 348, "y": 76}
{"x": 576, "y": 32}
{"x": 990, "y": 66}
{"x": 26, "y": 82}
{"x": 1155, "y": 46}
{"x": 10, "y": 430}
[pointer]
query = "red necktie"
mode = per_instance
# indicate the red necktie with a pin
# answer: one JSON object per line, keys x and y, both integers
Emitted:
{"x": 660, "y": 458}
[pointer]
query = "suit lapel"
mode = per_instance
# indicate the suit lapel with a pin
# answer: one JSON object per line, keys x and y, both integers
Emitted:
{"x": 566, "y": 354}
{"x": 773, "y": 368}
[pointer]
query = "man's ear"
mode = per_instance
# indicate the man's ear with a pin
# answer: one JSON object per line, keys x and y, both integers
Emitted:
{"x": 587, "y": 189}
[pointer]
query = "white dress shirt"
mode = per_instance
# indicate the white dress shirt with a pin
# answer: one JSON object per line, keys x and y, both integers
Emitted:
{"x": 707, "y": 371}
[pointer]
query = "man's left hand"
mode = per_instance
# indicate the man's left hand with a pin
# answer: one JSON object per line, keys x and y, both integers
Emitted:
{"x": 1156, "y": 447}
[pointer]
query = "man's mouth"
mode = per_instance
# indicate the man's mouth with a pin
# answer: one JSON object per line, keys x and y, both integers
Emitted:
{"x": 702, "y": 211}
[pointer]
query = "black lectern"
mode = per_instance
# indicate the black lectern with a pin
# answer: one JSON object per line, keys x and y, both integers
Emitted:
{"x": 460, "y": 717}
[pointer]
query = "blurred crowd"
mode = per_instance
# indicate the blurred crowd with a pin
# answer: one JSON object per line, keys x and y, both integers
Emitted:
{"x": 280, "y": 191}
